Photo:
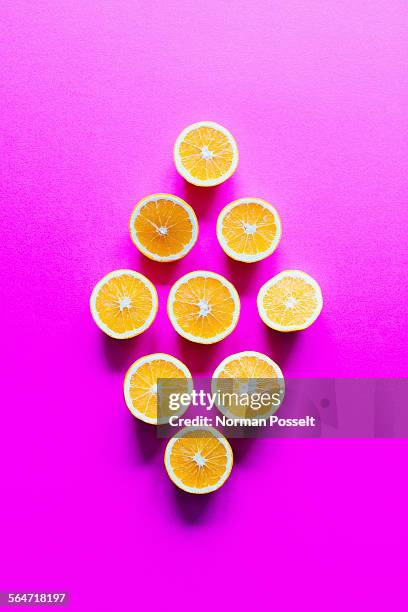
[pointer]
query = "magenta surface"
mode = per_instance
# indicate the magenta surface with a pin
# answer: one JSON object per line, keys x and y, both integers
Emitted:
{"x": 94, "y": 95}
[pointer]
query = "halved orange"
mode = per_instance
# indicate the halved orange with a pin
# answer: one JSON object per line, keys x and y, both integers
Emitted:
{"x": 124, "y": 304}
{"x": 163, "y": 227}
{"x": 250, "y": 374}
{"x": 150, "y": 375}
{"x": 290, "y": 301}
{"x": 198, "y": 459}
{"x": 203, "y": 307}
{"x": 206, "y": 154}
{"x": 249, "y": 229}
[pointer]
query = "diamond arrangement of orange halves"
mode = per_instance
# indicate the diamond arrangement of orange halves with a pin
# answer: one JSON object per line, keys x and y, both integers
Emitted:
{"x": 202, "y": 306}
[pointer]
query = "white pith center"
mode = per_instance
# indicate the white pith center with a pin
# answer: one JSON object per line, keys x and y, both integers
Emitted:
{"x": 199, "y": 459}
{"x": 206, "y": 153}
{"x": 204, "y": 308}
{"x": 291, "y": 302}
{"x": 153, "y": 389}
{"x": 124, "y": 302}
{"x": 249, "y": 229}
{"x": 162, "y": 230}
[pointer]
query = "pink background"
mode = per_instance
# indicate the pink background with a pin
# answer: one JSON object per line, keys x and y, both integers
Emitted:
{"x": 94, "y": 95}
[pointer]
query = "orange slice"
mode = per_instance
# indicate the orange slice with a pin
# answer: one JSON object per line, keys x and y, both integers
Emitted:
{"x": 203, "y": 307}
{"x": 206, "y": 154}
{"x": 251, "y": 374}
{"x": 124, "y": 304}
{"x": 249, "y": 229}
{"x": 147, "y": 378}
{"x": 290, "y": 301}
{"x": 163, "y": 227}
{"x": 198, "y": 459}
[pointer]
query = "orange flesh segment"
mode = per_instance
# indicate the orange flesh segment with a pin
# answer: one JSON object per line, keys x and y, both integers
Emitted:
{"x": 186, "y": 307}
{"x": 124, "y": 303}
{"x": 163, "y": 227}
{"x": 186, "y": 468}
{"x": 248, "y": 369}
{"x": 142, "y": 384}
{"x": 216, "y": 143}
{"x": 285, "y": 291}
{"x": 251, "y": 215}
